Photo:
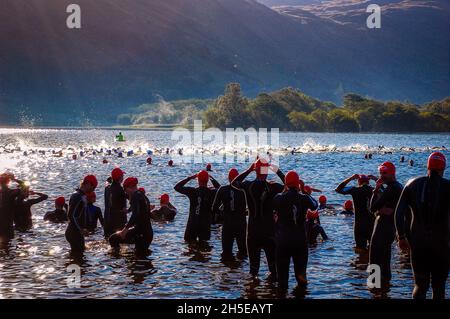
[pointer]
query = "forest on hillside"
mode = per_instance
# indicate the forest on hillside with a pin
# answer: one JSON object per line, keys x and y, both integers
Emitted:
{"x": 291, "y": 110}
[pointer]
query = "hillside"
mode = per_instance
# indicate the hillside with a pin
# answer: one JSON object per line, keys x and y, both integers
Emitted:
{"x": 130, "y": 53}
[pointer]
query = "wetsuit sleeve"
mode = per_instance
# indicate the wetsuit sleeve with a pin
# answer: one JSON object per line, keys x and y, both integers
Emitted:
{"x": 182, "y": 189}
{"x": 238, "y": 181}
{"x": 135, "y": 211}
{"x": 310, "y": 202}
{"x": 280, "y": 174}
{"x": 37, "y": 200}
{"x": 379, "y": 200}
{"x": 47, "y": 215}
{"x": 345, "y": 190}
{"x": 215, "y": 183}
{"x": 402, "y": 211}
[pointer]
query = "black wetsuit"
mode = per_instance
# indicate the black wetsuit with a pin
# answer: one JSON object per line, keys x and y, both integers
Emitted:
{"x": 234, "y": 212}
{"x": 261, "y": 228}
{"x": 7, "y": 200}
{"x": 200, "y": 210}
{"x": 93, "y": 216}
{"x": 56, "y": 216}
{"x": 77, "y": 218}
{"x": 290, "y": 234}
{"x": 140, "y": 231}
{"x": 364, "y": 219}
{"x": 115, "y": 203}
{"x": 422, "y": 216}
{"x": 164, "y": 213}
{"x": 384, "y": 229}
{"x": 23, "y": 220}
{"x": 313, "y": 230}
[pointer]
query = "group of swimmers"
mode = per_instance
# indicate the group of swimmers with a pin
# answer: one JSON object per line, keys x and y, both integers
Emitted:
{"x": 280, "y": 218}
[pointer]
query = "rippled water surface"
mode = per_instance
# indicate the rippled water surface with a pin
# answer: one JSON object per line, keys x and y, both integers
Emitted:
{"x": 35, "y": 263}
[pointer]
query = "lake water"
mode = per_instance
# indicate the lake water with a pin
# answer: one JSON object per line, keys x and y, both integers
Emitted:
{"x": 35, "y": 264}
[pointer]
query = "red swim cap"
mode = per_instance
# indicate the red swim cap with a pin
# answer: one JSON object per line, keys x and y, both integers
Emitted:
{"x": 292, "y": 180}
{"x": 208, "y": 167}
{"x": 142, "y": 190}
{"x": 203, "y": 177}
{"x": 261, "y": 167}
{"x": 232, "y": 174}
{"x": 348, "y": 205}
{"x": 130, "y": 182}
{"x": 60, "y": 201}
{"x": 91, "y": 179}
{"x": 387, "y": 168}
{"x": 149, "y": 160}
{"x": 91, "y": 197}
{"x": 117, "y": 174}
{"x": 164, "y": 199}
{"x": 307, "y": 190}
{"x": 437, "y": 162}
{"x": 363, "y": 179}
{"x": 323, "y": 199}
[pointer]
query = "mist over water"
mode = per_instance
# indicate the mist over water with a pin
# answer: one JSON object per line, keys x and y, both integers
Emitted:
{"x": 35, "y": 263}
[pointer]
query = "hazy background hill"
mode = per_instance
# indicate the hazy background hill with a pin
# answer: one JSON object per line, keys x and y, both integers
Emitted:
{"x": 130, "y": 53}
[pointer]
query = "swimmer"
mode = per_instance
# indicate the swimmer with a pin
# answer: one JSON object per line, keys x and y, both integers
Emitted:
{"x": 59, "y": 215}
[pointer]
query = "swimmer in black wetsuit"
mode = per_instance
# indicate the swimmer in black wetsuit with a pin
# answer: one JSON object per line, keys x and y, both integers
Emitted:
{"x": 22, "y": 207}
{"x": 77, "y": 214}
{"x": 115, "y": 216}
{"x": 8, "y": 197}
{"x": 383, "y": 203}
{"x": 290, "y": 235}
{"x": 167, "y": 212}
{"x": 364, "y": 219}
{"x": 138, "y": 229}
{"x": 422, "y": 223}
{"x": 200, "y": 210}
{"x": 93, "y": 213}
{"x": 261, "y": 227}
{"x": 59, "y": 215}
{"x": 234, "y": 212}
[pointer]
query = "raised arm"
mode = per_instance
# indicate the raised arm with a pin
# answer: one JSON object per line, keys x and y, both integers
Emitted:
{"x": 215, "y": 183}
{"x": 180, "y": 186}
{"x": 341, "y": 189}
{"x": 236, "y": 183}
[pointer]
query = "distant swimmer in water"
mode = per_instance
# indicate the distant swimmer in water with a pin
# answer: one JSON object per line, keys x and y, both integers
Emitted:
{"x": 411, "y": 163}
{"x": 361, "y": 195}
{"x": 138, "y": 229}
{"x": 201, "y": 200}
{"x": 208, "y": 167}
{"x": 23, "y": 220}
{"x": 120, "y": 137}
{"x": 149, "y": 161}
{"x": 234, "y": 211}
{"x": 115, "y": 216}
{"x": 77, "y": 213}
{"x": 59, "y": 215}
{"x": 166, "y": 212}
{"x": 348, "y": 209}
{"x": 422, "y": 223}
{"x": 170, "y": 163}
{"x": 402, "y": 159}
{"x": 383, "y": 203}
{"x": 261, "y": 225}
{"x": 290, "y": 208}
{"x": 93, "y": 213}
{"x": 8, "y": 197}
{"x": 323, "y": 203}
